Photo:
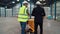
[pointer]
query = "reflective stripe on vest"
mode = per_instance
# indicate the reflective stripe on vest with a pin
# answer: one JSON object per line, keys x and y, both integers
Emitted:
{"x": 23, "y": 16}
{"x": 22, "y": 20}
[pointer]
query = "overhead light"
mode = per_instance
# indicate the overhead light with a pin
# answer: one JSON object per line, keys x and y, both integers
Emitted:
{"x": 41, "y": 0}
{"x": 28, "y": 0}
{"x": 13, "y": 2}
{"x": 17, "y": 0}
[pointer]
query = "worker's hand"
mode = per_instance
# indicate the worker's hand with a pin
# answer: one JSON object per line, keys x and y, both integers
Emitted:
{"x": 28, "y": 14}
{"x": 27, "y": 22}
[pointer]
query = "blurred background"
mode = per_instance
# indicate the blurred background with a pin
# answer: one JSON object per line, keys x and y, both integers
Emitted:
{"x": 9, "y": 10}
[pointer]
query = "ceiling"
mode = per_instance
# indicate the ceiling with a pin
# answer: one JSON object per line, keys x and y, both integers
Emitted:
{"x": 8, "y": 3}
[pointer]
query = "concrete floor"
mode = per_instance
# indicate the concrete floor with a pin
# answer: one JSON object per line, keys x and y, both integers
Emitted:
{"x": 10, "y": 25}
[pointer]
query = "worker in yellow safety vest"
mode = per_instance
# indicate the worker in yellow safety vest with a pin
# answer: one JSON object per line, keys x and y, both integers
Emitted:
{"x": 23, "y": 16}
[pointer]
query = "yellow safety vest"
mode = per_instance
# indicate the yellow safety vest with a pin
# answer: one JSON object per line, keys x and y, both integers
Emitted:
{"x": 23, "y": 15}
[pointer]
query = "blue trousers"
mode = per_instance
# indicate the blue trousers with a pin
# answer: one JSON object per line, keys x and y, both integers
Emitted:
{"x": 23, "y": 26}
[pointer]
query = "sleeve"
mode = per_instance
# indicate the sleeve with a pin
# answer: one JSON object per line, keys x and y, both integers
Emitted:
{"x": 43, "y": 12}
{"x": 33, "y": 12}
{"x": 28, "y": 12}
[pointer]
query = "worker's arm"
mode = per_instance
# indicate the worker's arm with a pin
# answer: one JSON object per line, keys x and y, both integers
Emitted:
{"x": 33, "y": 12}
{"x": 43, "y": 13}
{"x": 28, "y": 13}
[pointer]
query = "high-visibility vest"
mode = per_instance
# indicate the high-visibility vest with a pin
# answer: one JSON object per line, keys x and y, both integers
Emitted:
{"x": 23, "y": 15}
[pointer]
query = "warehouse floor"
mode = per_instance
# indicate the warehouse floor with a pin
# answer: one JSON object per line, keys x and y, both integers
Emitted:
{"x": 10, "y": 25}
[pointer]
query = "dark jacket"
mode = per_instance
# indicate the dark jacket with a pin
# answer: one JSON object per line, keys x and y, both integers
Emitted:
{"x": 39, "y": 13}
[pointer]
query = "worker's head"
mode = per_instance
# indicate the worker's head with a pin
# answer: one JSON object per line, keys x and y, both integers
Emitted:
{"x": 25, "y": 3}
{"x": 38, "y": 3}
